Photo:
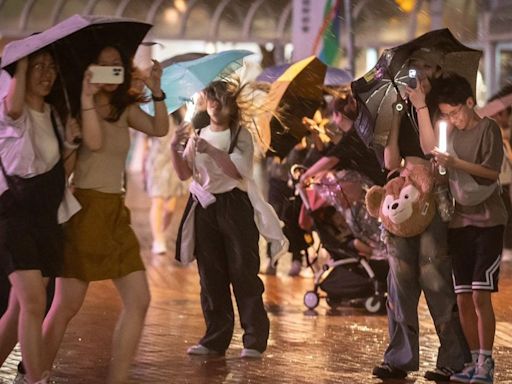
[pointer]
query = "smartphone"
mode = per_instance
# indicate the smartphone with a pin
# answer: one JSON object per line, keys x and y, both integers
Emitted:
{"x": 102, "y": 74}
{"x": 412, "y": 82}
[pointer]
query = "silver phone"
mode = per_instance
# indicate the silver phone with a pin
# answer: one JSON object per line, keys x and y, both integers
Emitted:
{"x": 102, "y": 74}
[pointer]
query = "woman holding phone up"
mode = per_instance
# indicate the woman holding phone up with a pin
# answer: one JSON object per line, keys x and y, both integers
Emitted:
{"x": 99, "y": 241}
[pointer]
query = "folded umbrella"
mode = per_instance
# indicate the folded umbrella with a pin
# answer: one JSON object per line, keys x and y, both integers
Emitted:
{"x": 296, "y": 94}
{"x": 75, "y": 42}
{"x": 180, "y": 81}
{"x": 378, "y": 88}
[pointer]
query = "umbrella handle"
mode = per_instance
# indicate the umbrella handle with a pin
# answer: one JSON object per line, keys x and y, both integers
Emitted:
{"x": 406, "y": 104}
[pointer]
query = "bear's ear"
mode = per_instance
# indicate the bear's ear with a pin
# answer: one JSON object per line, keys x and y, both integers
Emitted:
{"x": 422, "y": 177}
{"x": 373, "y": 200}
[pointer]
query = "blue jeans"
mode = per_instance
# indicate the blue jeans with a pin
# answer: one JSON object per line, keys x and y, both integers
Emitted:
{"x": 416, "y": 264}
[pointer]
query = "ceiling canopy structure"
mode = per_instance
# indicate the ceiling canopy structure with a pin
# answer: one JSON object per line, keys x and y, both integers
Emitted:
{"x": 268, "y": 20}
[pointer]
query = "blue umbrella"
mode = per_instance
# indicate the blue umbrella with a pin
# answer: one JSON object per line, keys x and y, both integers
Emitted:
{"x": 181, "y": 80}
{"x": 333, "y": 77}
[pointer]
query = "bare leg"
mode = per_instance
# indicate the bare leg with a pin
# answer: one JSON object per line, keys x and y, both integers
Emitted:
{"x": 486, "y": 319}
{"x": 170, "y": 207}
{"x": 468, "y": 320}
{"x": 30, "y": 291}
{"x": 68, "y": 298}
{"x": 9, "y": 327}
{"x": 134, "y": 292}
{"x": 156, "y": 218}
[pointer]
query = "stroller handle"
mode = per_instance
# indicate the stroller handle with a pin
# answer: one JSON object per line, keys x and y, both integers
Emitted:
{"x": 299, "y": 188}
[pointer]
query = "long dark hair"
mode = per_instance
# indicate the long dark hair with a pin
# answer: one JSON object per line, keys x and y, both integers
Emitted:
{"x": 124, "y": 95}
{"x": 226, "y": 96}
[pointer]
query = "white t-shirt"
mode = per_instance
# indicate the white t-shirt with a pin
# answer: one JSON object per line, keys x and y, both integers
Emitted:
{"x": 208, "y": 174}
{"x": 28, "y": 145}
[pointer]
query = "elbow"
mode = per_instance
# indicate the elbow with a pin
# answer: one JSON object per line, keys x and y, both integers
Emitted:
{"x": 93, "y": 145}
{"x": 14, "y": 114}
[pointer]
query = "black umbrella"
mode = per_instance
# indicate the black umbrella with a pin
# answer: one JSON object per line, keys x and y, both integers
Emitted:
{"x": 75, "y": 43}
{"x": 378, "y": 88}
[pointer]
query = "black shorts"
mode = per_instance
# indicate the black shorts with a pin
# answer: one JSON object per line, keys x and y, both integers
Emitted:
{"x": 28, "y": 242}
{"x": 476, "y": 256}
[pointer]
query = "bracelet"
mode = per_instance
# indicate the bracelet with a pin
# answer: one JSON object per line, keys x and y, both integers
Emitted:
{"x": 159, "y": 98}
{"x": 88, "y": 109}
{"x": 69, "y": 145}
{"x": 420, "y": 108}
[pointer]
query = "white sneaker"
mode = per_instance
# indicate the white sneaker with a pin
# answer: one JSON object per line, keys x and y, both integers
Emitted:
{"x": 506, "y": 254}
{"x": 158, "y": 248}
{"x": 251, "y": 353}
{"x": 201, "y": 350}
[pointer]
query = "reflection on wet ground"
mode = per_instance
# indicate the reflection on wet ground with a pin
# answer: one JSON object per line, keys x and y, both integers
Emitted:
{"x": 321, "y": 346}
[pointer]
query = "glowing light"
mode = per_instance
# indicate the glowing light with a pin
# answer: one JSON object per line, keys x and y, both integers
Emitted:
{"x": 171, "y": 15}
{"x": 442, "y": 145}
{"x": 406, "y": 5}
{"x": 180, "y": 5}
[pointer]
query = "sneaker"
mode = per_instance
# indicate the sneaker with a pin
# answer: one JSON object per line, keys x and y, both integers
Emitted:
{"x": 295, "y": 268}
{"x": 201, "y": 350}
{"x": 439, "y": 374}
{"x": 251, "y": 353}
{"x": 465, "y": 375}
{"x": 484, "y": 373}
{"x": 158, "y": 248}
{"x": 271, "y": 269}
{"x": 386, "y": 371}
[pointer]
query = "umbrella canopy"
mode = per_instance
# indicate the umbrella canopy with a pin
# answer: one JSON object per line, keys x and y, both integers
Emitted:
{"x": 75, "y": 42}
{"x": 181, "y": 80}
{"x": 296, "y": 94}
{"x": 378, "y": 88}
{"x": 333, "y": 77}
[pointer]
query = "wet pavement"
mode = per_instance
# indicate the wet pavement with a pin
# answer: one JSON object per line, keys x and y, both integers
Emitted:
{"x": 325, "y": 346}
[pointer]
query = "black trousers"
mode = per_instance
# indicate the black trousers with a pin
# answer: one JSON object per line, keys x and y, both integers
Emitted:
{"x": 227, "y": 255}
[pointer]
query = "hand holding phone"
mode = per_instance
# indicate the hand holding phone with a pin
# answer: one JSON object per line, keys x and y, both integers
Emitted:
{"x": 103, "y": 74}
{"x": 412, "y": 82}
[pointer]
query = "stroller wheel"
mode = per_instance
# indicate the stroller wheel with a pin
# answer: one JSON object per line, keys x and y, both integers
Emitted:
{"x": 333, "y": 303}
{"x": 374, "y": 304}
{"x": 311, "y": 299}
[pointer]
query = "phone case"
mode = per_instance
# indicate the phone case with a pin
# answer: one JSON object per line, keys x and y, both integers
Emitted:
{"x": 107, "y": 74}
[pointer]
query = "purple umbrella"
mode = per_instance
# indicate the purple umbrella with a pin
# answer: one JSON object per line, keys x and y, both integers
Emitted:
{"x": 334, "y": 76}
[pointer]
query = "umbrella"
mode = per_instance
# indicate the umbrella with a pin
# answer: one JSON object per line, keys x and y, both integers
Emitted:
{"x": 75, "y": 42}
{"x": 297, "y": 93}
{"x": 378, "y": 88}
{"x": 333, "y": 77}
{"x": 181, "y": 80}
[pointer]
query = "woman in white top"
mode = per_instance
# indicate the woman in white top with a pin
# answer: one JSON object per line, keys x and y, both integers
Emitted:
{"x": 32, "y": 180}
{"x": 226, "y": 223}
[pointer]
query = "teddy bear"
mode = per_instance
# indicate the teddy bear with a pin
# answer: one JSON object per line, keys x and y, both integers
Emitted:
{"x": 405, "y": 205}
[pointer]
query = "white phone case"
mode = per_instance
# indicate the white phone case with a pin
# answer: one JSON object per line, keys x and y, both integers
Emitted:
{"x": 107, "y": 74}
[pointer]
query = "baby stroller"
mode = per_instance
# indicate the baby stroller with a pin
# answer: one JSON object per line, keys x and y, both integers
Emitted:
{"x": 335, "y": 207}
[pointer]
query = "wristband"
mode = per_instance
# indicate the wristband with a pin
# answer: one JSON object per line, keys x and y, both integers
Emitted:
{"x": 158, "y": 98}
{"x": 69, "y": 145}
{"x": 420, "y": 108}
{"x": 88, "y": 109}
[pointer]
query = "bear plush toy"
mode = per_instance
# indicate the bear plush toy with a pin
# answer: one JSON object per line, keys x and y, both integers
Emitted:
{"x": 405, "y": 205}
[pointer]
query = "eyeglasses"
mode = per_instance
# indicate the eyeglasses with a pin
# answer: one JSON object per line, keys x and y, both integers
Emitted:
{"x": 40, "y": 67}
{"x": 453, "y": 113}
